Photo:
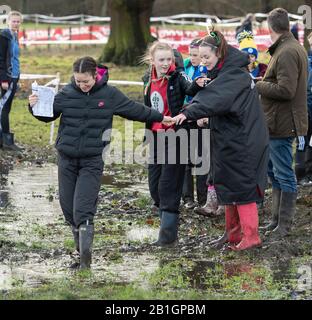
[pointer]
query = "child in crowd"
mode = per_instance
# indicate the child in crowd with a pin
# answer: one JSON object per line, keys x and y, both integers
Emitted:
{"x": 194, "y": 69}
{"x": 165, "y": 90}
{"x": 247, "y": 44}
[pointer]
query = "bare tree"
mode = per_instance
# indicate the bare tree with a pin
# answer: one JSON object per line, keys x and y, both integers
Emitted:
{"x": 130, "y": 31}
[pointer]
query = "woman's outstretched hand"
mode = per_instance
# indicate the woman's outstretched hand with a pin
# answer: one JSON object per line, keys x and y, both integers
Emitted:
{"x": 33, "y": 99}
{"x": 179, "y": 118}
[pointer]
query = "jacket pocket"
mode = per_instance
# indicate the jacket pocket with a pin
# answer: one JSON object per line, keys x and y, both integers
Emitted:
{"x": 271, "y": 119}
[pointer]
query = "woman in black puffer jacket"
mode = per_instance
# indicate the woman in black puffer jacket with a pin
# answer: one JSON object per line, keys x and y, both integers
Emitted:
{"x": 86, "y": 107}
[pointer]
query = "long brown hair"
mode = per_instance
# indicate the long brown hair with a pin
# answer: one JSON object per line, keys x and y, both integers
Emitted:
{"x": 216, "y": 41}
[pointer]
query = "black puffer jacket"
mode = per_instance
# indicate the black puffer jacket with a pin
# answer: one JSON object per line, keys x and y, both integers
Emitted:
{"x": 85, "y": 116}
{"x": 239, "y": 133}
{"x": 179, "y": 85}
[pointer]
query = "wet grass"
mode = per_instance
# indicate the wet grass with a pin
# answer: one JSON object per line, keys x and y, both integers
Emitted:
{"x": 172, "y": 280}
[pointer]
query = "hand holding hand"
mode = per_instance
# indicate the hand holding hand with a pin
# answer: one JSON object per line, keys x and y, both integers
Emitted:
{"x": 168, "y": 121}
{"x": 33, "y": 99}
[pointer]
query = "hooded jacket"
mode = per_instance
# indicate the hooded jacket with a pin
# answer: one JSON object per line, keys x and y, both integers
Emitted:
{"x": 239, "y": 134}
{"x": 86, "y": 116}
{"x": 9, "y": 55}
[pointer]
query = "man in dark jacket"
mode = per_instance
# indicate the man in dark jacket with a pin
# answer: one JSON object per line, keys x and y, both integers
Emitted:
{"x": 9, "y": 76}
{"x": 284, "y": 98}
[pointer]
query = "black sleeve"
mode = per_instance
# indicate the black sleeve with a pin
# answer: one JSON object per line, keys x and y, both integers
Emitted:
{"x": 217, "y": 98}
{"x": 57, "y": 109}
{"x": 188, "y": 86}
{"x": 193, "y": 89}
{"x": 3, "y": 57}
{"x": 131, "y": 110}
{"x": 185, "y": 82}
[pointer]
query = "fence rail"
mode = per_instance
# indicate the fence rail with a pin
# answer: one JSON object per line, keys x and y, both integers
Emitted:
{"x": 185, "y": 18}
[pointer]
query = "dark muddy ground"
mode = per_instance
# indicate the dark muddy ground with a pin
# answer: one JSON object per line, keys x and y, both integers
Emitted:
{"x": 36, "y": 246}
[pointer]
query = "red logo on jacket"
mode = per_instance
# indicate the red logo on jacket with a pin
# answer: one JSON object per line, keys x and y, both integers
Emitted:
{"x": 101, "y": 104}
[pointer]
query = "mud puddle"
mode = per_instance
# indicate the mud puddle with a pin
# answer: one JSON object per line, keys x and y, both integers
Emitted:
{"x": 36, "y": 247}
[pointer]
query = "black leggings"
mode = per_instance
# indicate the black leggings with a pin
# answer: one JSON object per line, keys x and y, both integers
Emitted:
{"x": 5, "y": 124}
{"x": 165, "y": 179}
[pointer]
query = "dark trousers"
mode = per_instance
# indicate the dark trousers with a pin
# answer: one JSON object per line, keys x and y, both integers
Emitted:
{"x": 5, "y": 124}
{"x": 165, "y": 179}
{"x": 188, "y": 184}
{"x": 79, "y": 186}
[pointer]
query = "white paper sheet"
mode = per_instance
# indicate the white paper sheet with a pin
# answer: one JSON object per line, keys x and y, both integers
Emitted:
{"x": 44, "y": 106}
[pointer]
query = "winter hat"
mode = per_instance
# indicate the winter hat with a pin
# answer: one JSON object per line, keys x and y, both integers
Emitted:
{"x": 247, "y": 43}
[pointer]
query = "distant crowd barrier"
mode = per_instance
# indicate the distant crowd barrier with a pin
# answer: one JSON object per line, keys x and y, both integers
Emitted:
{"x": 184, "y": 18}
{"x": 177, "y": 38}
{"x": 87, "y": 34}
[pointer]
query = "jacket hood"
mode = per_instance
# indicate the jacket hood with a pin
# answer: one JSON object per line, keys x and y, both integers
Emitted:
{"x": 101, "y": 78}
{"x": 235, "y": 59}
{"x": 6, "y": 33}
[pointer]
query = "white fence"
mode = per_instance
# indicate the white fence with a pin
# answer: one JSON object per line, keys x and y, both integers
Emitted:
{"x": 185, "y": 18}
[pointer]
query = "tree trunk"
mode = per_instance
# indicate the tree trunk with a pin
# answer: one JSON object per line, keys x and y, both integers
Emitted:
{"x": 130, "y": 31}
{"x": 266, "y": 6}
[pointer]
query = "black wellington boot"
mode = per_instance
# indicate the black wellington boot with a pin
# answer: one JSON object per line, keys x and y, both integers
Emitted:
{"x": 8, "y": 142}
{"x": 75, "y": 232}
{"x": 86, "y": 234}
{"x": 276, "y": 199}
{"x": 168, "y": 233}
{"x": 286, "y": 215}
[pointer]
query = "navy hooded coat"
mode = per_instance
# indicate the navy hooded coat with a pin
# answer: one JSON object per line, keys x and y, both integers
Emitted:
{"x": 239, "y": 133}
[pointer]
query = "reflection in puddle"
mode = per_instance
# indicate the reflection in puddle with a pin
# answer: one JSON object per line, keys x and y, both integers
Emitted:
{"x": 142, "y": 234}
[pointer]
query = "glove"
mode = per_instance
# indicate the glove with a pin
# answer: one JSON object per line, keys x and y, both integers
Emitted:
{"x": 301, "y": 143}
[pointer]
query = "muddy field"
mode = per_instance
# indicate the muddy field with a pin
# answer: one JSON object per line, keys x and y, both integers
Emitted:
{"x": 36, "y": 247}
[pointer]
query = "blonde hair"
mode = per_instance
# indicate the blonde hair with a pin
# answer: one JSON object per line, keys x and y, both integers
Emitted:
{"x": 15, "y": 13}
{"x": 152, "y": 48}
